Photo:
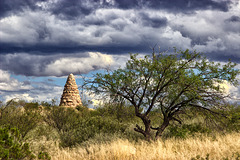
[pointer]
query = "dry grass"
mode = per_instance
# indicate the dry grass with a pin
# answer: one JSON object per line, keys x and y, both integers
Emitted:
{"x": 218, "y": 148}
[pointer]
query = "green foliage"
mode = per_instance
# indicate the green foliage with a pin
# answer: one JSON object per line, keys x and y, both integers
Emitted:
{"x": 83, "y": 110}
{"x": 75, "y": 127}
{"x": 186, "y": 130}
{"x": 31, "y": 106}
{"x": 233, "y": 118}
{"x": 22, "y": 115}
{"x": 171, "y": 82}
{"x": 46, "y": 104}
{"x": 44, "y": 156}
{"x": 66, "y": 122}
{"x": 120, "y": 112}
{"x": 11, "y": 146}
{"x": 83, "y": 126}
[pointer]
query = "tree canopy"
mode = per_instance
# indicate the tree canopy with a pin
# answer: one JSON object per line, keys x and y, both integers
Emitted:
{"x": 170, "y": 82}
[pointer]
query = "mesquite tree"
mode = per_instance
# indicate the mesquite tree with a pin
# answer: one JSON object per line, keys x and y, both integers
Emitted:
{"x": 170, "y": 82}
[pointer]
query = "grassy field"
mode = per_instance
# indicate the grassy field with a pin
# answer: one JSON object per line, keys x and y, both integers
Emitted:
{"x": 219, "y": 147}
{"x": 102, "y": 134}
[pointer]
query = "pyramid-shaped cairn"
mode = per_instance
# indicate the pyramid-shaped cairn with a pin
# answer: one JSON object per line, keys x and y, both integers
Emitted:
{"x": 70, "y": 96}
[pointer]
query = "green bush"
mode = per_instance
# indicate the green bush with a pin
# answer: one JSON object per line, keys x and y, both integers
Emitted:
{"x": 11, "y": 146}
{"x": 75, "y": 127}
{"x": 120, "y": 112}
{"x": 186, "y": 130}
{"x": 44, "y": 156}
{"x": 89, "y": 128}
{"x": 24, "y": 116}
{"x": 233, "y": 118}
{"x": 66, "y": 121}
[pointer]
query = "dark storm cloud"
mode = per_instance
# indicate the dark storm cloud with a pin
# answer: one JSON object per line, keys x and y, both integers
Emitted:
{"x": 52, "y": 65}
{"x": 68, "y": 9}
{"x": 57, "y": 37}
{"x": 195, "y": 38}
{"x": 73, "y": 8}
{"x": 79, "y": 8}
{"x": 23, "y": 64}
{"x": 66, "y": 48}
{"x": 175, "y": 5}
{"x": 155, "y": 22}
{"x": 224, "y": 57}
{"x": 97, "y": 20}
{"x": 10, "y": 7}
{"x": 114, "y": 27}
{"x": 42, "y": 33}
{"x": 233, "y": 19}
{"x": 41, "y": 49}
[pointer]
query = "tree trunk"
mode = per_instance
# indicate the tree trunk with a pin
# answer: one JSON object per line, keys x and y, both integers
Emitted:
{"x": 162, "y": 128}
{"x": 147, "y": 130}
{"x": 147, "y": 123}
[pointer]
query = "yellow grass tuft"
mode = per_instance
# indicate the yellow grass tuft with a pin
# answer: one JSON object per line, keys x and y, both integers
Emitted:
{"x": 172, "y": 149}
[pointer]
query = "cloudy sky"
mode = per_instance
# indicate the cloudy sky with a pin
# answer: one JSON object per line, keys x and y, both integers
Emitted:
{"x": 42, "y": 41}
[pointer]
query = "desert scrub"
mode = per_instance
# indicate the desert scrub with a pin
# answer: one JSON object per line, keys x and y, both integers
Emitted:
{"x": 75, "y": 127}
{"x": 11, "y": 146}
{"x": 21, "y": 115}
{"x": 186, "y": 130}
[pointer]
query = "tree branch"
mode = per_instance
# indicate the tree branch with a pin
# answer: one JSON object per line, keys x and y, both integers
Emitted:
{"x": 207, "y": 109}
{"x": 156, "y": 128}
{"x": 140, "y": 130}
{"x": 175, "y": 119}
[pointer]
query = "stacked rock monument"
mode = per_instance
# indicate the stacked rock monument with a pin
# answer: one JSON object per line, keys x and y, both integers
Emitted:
{"x": 70, "y": 96}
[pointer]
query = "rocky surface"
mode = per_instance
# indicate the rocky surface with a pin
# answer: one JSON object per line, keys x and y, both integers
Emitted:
{"x": 70, "y": 96}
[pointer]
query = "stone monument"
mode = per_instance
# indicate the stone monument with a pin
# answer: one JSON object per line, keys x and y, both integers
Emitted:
{"x": 70, "y": 96}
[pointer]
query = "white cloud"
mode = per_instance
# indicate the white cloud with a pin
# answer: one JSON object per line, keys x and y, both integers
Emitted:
{"x": 232, "y": 91}
{"x": 10, "y": 84}
{"x": 121, "y": 27}
{"x": 11, "y": 88}
{"x": 24, "y": 96}
{"x": 104, "y": 27}
{"x": 4, "y": 76}
{"x": 213, "y": 44}
{"x": 107, "y": 27}
{"x": 94, "y": 61}
{"x": 55, "y": 65}
{"x": 47, "y": 93}
{"x": 210, "y": 30}
{"x": 46, "y": 4}
{"x": 42, "y": 92}
{"x": 36, "y": 92}
{"x": 176, "y": 39}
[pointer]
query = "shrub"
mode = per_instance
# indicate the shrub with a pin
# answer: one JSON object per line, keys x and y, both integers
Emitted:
{"x": 24, "y": 116}
{"x": 233, "y": 119}
{"x": 44, "y": 155}
{"x": 89, "y": 128}
{"x": 74, "y": 127}
{"x": 11, "y": 146}
{"x": 119, "y": 111}
{"x": 186, "y": 130}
